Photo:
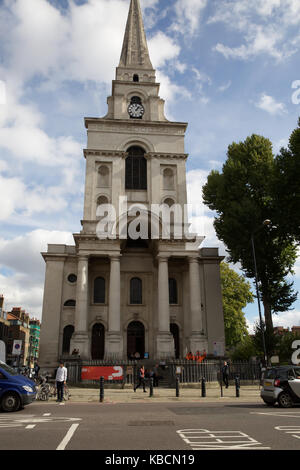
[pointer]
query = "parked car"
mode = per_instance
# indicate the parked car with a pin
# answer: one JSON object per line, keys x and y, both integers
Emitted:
{"x": 281, "y": 385}
{"x": 16, "y": 390}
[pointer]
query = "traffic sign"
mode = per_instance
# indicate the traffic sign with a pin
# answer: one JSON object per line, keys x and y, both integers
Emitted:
{"x": 17, "y": 347}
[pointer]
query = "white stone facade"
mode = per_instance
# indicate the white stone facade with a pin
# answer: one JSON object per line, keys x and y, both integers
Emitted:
{"x": 121, "y": 324}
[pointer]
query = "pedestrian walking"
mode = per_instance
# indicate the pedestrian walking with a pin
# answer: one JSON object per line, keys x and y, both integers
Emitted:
{"x": 141, "y": 379}
{"x": 36, "y": 369}
{"x": 225, "y": 374}
{"x": 61, "y": 379}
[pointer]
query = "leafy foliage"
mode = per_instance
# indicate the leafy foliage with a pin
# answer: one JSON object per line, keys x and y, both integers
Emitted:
{"x": 236, "y": 295}
{"x": 243, "y": 196}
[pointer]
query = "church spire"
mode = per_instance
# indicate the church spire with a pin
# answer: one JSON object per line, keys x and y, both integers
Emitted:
{"x": 135, "y": 52}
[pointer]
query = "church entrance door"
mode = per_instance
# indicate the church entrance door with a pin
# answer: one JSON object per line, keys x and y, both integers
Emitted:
{"x": 175, "y": 332}
{"x": 135, "y": 339}
{"x": 98, "y": 336}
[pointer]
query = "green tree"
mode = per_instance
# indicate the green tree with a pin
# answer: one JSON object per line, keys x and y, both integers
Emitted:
{"x": 236, "y": 295}
{"x": 287, "y": 187}
{"x": 244, "y": 350}
{"x": 284, "y": 349}
{"x": 271, "y": 340}
{"x": 242, "y": 195}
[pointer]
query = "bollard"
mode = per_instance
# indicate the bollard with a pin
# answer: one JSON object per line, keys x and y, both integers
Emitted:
{"x": 101, "y": 389}
{"x": 177, "y": 386}
{"x": 237, "y": 386}
{"x": 151, "y": 387}
{"x": 203, "y": 387}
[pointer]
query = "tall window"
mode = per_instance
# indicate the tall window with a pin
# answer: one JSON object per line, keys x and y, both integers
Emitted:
{"x": 99, "y": 290}
{"x": 173, "y": 298}
{"x": 67, "y": 335}
{"x": 136, "y": 169}
{"x": 136, "y": 296}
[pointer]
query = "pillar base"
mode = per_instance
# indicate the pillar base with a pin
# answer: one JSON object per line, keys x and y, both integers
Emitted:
{"x": 165, "y": 347}
{"x": 80, "y": 341}
{"x": 113, "y": 345}
{"x": 197, "y": 342}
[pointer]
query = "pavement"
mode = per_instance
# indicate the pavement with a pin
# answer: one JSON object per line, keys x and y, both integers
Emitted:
{"x": 248, "y": 393}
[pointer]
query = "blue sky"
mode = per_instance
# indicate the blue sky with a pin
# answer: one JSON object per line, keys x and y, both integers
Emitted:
{"x": 225, "y": 66}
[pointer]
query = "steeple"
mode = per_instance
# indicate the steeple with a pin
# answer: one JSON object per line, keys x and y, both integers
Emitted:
{"x": 135, "y": 52}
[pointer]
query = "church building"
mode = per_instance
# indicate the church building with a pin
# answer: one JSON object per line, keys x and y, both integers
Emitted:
{"x": 110, "y": 297}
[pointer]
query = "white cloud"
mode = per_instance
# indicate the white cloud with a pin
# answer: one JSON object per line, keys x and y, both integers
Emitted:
{"x": 188, "y": 15}
{"x": 162, "y": 48}
{"x": 270, "y": 105}
{"x": 265, "y": 26}
{"x": 22, "y": 257}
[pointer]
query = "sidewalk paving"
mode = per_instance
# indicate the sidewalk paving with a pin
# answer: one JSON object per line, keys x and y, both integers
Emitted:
{"x": 249, "y": 393}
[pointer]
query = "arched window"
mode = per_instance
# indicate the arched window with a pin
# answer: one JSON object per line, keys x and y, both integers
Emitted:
{"x": 99, "y": 290}
{"x": 70, "y": 303}
{"x": 136, "y": 78}
{"x": 136, "y": 295}
{"x": 67, "y": 335}
{"x": 100, "y": 201}
{"x": 173, "y": 297}
{"x": 136, "y": 169}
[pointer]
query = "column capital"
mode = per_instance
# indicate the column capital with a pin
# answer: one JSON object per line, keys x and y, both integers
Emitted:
{"x": 115, "y": 257}
{"x": 82, "y": 257}
{"x": 163, "y": 258}
{"x": 193, "y": 259}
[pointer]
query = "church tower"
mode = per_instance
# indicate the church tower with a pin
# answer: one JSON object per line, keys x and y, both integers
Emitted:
{"x": 112, "y": 296}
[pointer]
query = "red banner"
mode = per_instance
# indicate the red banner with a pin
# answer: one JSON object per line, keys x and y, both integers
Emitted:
{"x": 108, "y": 372}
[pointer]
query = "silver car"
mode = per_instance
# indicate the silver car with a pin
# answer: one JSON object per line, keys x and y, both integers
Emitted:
{"x": 281, "y": 385}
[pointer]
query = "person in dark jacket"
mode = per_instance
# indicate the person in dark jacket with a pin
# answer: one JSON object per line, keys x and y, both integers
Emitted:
{"x": 225, "y": 374}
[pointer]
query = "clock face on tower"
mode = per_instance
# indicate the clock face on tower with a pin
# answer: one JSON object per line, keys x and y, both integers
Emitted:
{"x": 135, "y": 108}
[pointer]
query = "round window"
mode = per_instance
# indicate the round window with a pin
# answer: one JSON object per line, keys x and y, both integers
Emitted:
{"x": 72, "y": 278}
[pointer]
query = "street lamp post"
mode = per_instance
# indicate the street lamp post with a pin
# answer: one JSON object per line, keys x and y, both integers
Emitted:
{"x": 258, "y": 301}
{"x": 265, "y": 223}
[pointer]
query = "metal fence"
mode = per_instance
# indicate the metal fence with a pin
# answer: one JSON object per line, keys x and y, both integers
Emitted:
{"x": 190, "y": 371}
{"x": 193, "y": 372}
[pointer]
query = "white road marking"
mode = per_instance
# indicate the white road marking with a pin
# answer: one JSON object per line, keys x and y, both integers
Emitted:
{"x": 286, "y": 414}
{"x": 201, "y": 439}
{"x": 290, "y": 430}
{"x": 67, "y": 437}
{"x": 31, "y": 420}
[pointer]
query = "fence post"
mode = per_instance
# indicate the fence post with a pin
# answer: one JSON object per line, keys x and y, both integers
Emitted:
{"x": 151, "y": 387}
{"x": 101, "y": 389}
{"x": 177, "y": 386}
{"x": 237, "y": 386}
{"x": 203, "y": 387}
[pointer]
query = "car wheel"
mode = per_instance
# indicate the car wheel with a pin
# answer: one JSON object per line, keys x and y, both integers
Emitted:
{"x": 284, "y": 400}
{"x": 10, "y": 402}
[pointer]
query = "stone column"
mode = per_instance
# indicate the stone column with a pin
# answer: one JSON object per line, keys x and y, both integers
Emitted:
{"x": 164, "y": 341}
{"x": 114, "y": 338}
{"x": 80, "y": 338}
{"x": 197, "y": 340}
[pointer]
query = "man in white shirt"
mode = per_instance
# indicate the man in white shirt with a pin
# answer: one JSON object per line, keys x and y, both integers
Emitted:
{"x": 61, "y": 378}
